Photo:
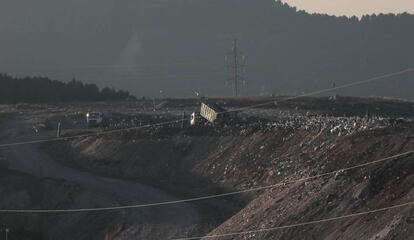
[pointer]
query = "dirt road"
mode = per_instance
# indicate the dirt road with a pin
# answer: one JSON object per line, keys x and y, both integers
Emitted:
{"x": 173, "y": 220}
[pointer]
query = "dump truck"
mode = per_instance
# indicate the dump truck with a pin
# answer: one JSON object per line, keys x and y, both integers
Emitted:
{"x": 213, "y": 113}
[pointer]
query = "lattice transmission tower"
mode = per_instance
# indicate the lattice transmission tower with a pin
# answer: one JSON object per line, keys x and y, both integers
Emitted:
{"x": 235, "y": 64}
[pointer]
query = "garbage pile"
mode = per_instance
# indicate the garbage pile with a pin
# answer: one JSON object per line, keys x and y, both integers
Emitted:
{"x": 267, "y": 120}
{"x": 340, "y": 126}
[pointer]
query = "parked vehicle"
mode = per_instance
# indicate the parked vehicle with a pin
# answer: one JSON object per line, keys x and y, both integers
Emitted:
{"x": 94, "y": 119}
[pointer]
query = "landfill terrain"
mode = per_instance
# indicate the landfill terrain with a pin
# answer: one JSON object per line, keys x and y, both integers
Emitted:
{"x": 302, "y": 168}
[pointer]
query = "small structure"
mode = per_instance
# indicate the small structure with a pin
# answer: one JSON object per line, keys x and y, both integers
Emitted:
{"x": 214, "y": 113}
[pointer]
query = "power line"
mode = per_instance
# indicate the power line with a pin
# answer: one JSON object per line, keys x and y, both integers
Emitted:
{"x": 300, "y": 224}
{"x": 88, "y": 134}
{"x": 227, "y": 111}
{"x": 146, "y": 205}
{"x": 108, "y": 66}
{"x": 168, "y": 75}
{"x": 155, "y": 74}
{"x": 191, "y": 89}
{"x": 381, "y": 77}
{"x": 175, "y": 76}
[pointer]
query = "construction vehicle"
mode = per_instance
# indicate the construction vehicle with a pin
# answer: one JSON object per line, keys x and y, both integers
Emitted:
{"x": 216, "y": 114}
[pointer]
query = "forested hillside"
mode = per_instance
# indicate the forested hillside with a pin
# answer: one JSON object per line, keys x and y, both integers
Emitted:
{"x": 179, "y": 46}
{"x": 41, "y": 89}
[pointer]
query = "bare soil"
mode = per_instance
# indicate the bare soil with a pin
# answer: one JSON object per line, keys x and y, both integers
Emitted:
{"x": 275, "y": 144}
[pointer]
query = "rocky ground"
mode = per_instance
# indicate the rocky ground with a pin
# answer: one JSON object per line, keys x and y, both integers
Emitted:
{"x": 270, "y": 145}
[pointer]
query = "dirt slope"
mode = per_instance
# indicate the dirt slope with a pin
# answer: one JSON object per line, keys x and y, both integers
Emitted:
{"x": 97, "y": 191}
{"x": 204, "y": 162}
{"x": 300, "y": 139}
{"x": 373, "y": 187}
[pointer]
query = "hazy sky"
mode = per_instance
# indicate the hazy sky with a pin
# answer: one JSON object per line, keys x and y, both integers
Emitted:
{"x": 353, "y": 7}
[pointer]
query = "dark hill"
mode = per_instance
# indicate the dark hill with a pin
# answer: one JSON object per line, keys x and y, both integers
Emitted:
{"x": 44, "y": 90}
{"x": 150, "y": 45}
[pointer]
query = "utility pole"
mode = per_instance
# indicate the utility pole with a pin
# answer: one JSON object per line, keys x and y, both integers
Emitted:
{"x": 182, "y": 120}
{"x": 6, "y": 231}
{"x": 235, "y": 64}
{"x": 59, "y": 130}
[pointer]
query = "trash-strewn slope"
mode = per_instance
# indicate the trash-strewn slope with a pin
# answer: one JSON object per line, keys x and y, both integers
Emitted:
{"x": 205, "y": 160}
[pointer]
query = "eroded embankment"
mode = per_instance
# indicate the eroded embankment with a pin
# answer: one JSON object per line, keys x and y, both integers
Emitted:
{"x": 22, "y": 189}
{"x": 195, "y": 162}
{"x": 24, "y": 192}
